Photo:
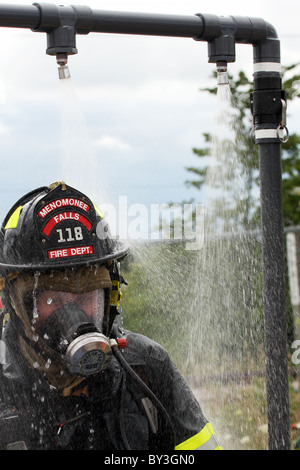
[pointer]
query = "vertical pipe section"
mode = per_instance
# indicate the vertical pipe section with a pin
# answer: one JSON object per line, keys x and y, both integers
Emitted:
{"x": 274, "y": 296}
{"x": 267, "y": 115}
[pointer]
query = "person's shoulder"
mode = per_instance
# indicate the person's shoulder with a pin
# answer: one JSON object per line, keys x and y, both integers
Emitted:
{"x": 138, "y": 339}
{"x": 145, "y": 346}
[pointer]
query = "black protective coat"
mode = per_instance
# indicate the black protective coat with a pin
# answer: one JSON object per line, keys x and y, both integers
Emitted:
{"x": 111, "y": 416}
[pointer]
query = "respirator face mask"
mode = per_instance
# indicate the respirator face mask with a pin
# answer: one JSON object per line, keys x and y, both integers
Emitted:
{"x": 71, "y": 324}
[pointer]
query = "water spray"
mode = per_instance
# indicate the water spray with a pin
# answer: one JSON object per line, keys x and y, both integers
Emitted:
{"x": 61, "y": 25}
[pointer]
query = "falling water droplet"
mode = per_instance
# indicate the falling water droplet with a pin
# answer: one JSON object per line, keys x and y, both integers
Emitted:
{"x": 35, "y": 313}
{"x": 35, "y": 338}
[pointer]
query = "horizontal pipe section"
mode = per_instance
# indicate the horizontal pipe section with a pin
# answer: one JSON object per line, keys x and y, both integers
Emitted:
{"x": 19, "y": 16}
{"x": 221, "y": 33}
{"x": 200, "y": 26}
{"x": 32, "y": 17}
{"x": 147, "y": 24}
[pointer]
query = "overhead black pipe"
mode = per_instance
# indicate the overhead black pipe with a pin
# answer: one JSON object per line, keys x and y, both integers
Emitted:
{"x": 46, "y": 17}
{"x": 63, "y": 23}
{"x": 19, "y": 16}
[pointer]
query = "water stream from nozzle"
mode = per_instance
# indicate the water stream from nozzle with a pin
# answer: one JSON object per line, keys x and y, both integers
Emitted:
{"x": 229, "y": 327}
{"x": 80, "y": 166}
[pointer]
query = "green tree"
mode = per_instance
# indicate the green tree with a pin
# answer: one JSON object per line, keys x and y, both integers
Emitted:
{"x": 248, "y": 204}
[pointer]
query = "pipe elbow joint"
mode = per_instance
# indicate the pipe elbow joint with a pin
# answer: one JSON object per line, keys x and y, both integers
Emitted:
{"x": 266, "y": 45}
{"x": 222, "y": 33}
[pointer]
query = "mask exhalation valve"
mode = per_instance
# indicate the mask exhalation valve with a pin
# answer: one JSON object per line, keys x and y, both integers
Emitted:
{"x": 88, "y": 354}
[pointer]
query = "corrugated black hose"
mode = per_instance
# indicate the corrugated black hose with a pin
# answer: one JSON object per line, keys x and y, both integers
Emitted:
{"x": 124, "y": 364}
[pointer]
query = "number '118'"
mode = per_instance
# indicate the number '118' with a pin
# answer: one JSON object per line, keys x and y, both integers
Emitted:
{"x": 69, "y": 234}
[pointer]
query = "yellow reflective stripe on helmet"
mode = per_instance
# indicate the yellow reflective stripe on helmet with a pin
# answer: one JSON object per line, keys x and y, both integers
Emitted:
{"x": 14, "y": 219}
{"x": 98, "y": 211}
{"x": 204, "y": 440}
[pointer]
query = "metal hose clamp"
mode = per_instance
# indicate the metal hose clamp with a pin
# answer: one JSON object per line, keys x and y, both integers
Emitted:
{"x": 282, "y": 130}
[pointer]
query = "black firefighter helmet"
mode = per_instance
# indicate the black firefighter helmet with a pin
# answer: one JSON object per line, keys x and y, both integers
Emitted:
{"x": 55, "y": 227}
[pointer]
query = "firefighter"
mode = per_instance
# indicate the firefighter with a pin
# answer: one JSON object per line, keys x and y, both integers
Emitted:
{"x": 72, "y": 379}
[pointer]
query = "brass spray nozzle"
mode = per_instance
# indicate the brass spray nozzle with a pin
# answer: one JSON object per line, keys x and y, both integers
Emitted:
{"x": 62, "y": 59}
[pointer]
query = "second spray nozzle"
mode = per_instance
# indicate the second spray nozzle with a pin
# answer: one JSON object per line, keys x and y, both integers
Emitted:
{"x": 222, "y": 74}
{"x": 63, "y": 69}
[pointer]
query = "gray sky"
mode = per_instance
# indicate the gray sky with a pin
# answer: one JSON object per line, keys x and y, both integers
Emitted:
{"x": 133, "y": 107}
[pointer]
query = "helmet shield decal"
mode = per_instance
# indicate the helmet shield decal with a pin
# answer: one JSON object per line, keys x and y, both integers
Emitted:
{"x": 66, "y": 222}
{"x": 57, "y": 227}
